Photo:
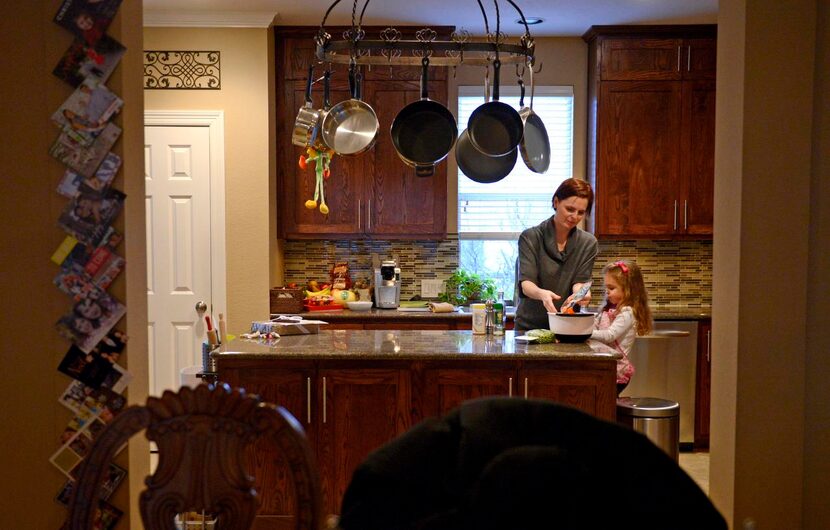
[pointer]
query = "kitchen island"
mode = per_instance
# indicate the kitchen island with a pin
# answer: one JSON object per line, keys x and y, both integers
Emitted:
{"x": 354, "y": 390}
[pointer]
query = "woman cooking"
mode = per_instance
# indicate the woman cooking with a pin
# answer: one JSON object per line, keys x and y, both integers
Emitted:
{"x": 555, "y": 257}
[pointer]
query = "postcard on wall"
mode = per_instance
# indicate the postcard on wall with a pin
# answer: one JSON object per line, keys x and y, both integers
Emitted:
{"x": 85, "y": 159}
{"x": 87, "y": 111}
{"x": 97, "y": 62}
{"x": 99, "y": 269}
{"x": 71, "y": 183}
{"x": 73, "y": 251}
{"x": 83, "y": 399}
{"x": 88, "y": 216}
{"x": 91, "y": 318}
{"x": 88, "y": 19}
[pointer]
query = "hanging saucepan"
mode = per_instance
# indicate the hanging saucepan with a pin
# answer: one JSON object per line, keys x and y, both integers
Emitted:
{"x": 495, "y": 128}
{"x": 351, "y": 126}
{"x": 476, "y": 165}
{"x": 424, "y": 131}
{"x": 535, "y": 146}
{"x": 307, "y": 124}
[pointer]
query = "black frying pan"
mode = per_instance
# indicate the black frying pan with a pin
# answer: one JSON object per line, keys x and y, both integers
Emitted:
{"x": 535, "y": 146}
{"x": 479, "y": 167}
{"x": 424, "y": 131}
{"x": 495, "y": 128}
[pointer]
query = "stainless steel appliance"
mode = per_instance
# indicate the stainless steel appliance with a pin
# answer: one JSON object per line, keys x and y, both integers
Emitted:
{"x": 388, "y": 285}
{"x": 665, "y": 367}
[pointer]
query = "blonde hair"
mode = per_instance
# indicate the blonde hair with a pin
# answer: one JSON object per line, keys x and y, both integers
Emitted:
{"x": 628, "y": 275}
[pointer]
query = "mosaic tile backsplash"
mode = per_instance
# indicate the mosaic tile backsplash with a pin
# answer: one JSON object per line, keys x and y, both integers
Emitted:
{"x": 677, "y": 273}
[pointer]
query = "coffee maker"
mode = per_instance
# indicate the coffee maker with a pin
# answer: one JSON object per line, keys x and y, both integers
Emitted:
{"x": 388, "y": 285}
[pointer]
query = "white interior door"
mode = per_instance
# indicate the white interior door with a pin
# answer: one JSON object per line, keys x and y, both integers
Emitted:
{"x": 178, "y": 201}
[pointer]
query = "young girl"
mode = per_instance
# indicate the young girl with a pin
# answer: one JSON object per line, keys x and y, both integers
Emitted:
{"x": 624, "y": 315}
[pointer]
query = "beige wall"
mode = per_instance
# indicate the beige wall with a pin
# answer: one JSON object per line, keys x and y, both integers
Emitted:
{"x": 32, "y": 418}
{"x": 244, "y": 98}
{"x": 564, "y": 61}
{"x": 769, "y": 385}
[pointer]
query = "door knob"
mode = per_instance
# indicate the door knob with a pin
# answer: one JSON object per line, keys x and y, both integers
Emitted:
{"x": 201, "y": 307}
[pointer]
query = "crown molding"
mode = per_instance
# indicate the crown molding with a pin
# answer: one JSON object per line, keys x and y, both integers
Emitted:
{"x": 208, "y": 19}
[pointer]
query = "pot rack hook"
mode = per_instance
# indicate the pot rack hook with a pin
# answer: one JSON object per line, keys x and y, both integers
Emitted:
{"x": 520, "y": 73}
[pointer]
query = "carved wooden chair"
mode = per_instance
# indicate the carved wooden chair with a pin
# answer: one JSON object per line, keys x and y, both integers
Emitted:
{"x": 202, "y": 435}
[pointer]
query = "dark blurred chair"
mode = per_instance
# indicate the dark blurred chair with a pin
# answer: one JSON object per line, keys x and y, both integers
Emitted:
{"x": 202, "y": 435}
{"x": 514, "y": 464}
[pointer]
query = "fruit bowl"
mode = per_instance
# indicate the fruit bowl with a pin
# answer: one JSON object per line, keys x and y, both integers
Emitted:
{"x": 359, "y": 306}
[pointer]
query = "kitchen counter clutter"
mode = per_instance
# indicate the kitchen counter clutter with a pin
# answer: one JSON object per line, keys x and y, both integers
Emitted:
{"x": 410, "y": 345}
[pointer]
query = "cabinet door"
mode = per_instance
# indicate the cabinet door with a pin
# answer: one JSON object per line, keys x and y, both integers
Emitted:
{"x": 398, "y": 202}
{"x": 445, "y": 387}
{"x": 700, "y": 56}
{"x": 631, "y": 59}
{"x": 362, "y": 409}
{"x": 342, "y": 188}
{"x": 698, "y": 156}
{"x": 289, "y": 387}
{"x": 703, "y": 384}
{"x": 638, "y": 158}
{"x": 591, "y": 389}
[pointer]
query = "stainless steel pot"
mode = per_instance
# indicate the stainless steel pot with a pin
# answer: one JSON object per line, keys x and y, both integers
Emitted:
{"x": 351, "y": 127}
{"x": 307, "y": 124}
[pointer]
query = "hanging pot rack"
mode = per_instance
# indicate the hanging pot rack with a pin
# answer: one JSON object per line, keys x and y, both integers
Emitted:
{"x": 354, "y": 49}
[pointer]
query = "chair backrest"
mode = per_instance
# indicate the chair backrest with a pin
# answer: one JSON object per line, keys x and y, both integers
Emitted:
{"x": 202, "y": 435}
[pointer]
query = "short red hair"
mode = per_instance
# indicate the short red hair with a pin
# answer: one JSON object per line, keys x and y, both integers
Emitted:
{"x": 575, "y": 188}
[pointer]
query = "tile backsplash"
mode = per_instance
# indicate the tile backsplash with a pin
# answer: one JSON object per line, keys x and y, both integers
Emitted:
{"x": 677, "y": 273}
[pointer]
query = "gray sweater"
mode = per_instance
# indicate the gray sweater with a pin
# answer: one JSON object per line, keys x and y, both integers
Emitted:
{"x": 541, "y": 262}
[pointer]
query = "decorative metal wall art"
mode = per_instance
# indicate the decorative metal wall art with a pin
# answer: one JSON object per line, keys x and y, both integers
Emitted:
{"x": 181, "y": 70}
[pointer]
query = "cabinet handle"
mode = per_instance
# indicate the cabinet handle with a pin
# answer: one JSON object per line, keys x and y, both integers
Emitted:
{"x": 685, "y": 214}
{"x": 358, "y": 214}
{"x": 689, "y": 60}
{"x": 678, "y": 58}
{"x": 510, "y": 386}
{"x": 675, "y": 215}
{"x": 708, "y": 345}
{"x": 525, "y": 387}
{"x": 368, "y": 215}
{"x": 308, "y": 400}
{"x": 324, "y": 400}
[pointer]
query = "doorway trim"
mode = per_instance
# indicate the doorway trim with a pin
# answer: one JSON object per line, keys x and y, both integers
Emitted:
{"x": 214, "y": 120}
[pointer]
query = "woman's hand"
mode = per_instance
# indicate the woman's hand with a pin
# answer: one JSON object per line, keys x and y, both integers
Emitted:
{"x": 531, "y": 290}
{"x": 583, "y": 302}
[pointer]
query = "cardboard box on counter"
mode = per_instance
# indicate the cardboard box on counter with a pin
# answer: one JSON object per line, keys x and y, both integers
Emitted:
{"x": 301, "y": 327}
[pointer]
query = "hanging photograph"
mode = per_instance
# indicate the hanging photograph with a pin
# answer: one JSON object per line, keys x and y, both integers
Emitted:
{"x": 85, "y": 159}
{"x": 89, "y": 321}
{"x": 96, "y": 63}
{"x": 88, "y": 19}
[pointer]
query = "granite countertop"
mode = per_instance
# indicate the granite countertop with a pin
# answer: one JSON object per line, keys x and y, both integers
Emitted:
{"x": 409, "y": 345}
{"x": 374, "y": 314}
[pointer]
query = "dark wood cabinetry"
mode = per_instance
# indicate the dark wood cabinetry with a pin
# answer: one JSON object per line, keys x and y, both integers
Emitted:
{"x": 651, "y": 130}
{"x": 373, "y": 194}
{"x": 703, "y": 384}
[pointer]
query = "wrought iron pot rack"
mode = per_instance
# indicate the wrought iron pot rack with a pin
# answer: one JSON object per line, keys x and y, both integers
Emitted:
{"x": 354, "y": 49}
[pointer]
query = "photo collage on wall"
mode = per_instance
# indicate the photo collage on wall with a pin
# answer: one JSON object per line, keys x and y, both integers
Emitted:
{"x": 88, "y": 260}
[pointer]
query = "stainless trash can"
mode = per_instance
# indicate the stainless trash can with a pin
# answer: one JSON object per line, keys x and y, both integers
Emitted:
{"x": 658, "y": 419}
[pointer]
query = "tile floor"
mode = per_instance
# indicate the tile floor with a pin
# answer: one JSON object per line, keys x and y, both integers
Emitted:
{"x": 697, "y": 466}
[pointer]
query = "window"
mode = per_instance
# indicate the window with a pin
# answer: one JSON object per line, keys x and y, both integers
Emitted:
{"x": 492, "y": 216}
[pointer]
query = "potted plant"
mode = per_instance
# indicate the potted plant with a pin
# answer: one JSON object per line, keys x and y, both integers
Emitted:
{"x": 464, "y": 287}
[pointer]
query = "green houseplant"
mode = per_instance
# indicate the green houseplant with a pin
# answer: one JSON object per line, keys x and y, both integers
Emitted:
{"x": 463, "y": 286}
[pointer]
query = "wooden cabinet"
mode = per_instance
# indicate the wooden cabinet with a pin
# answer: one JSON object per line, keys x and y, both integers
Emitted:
{"x": 580, "y": 385}
{"x": 651, "y": 130}
{"x": 373, "y": 194}
{"x": 447, "y": 385}
{"x": 703, "y": 384}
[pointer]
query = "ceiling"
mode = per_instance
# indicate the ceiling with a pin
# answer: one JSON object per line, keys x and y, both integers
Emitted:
{"x": 561, "y": 17}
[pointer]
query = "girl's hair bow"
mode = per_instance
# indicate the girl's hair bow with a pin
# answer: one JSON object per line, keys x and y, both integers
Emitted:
{"x": 623, "y": 267}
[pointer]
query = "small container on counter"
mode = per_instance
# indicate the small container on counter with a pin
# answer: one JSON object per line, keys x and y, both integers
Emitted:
{"x": 479, "y": 327}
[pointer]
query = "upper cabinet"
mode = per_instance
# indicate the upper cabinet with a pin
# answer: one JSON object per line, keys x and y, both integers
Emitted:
{"x": 651, "y": 130}
{"x": 373, "y": 194}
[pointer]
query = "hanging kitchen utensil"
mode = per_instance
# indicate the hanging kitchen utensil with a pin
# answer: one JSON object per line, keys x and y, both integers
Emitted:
{"x": 495, "y": 128}
{"x": 351, "y": 126}
{"x": 320, "y": 143}
{"x": 535, "y": 145}
{"x": 424, "y": 131}
{"x": 307, "y": 124}
{"x": 321, "y": 159}
{"x": 476, "y": 165}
